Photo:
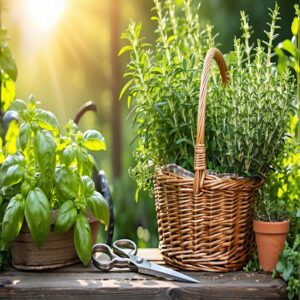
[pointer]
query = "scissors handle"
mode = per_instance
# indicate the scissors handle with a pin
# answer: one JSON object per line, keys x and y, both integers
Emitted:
{"x": 113, "y": 261}
{"x": 125, "y": 248}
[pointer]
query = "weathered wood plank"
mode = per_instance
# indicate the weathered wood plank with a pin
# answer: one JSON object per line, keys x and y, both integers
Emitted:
{"x": 77, "y": 282}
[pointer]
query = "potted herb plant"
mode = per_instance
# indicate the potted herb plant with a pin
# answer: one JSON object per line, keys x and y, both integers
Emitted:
{"x": 50, "y": 192}
{"x": 246, "y": 122}
{"x": 280, "y": 197}
{"x": 271, "y": 224}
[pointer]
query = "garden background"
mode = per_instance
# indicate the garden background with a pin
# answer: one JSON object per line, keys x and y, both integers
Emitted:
{"x": 67, "y": 54}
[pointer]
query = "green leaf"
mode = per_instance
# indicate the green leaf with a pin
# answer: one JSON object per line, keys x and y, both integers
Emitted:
{"x": 8, "y": 92}
{"x": 288, "y": 46}
{"x": 13, "y": 175}
{"x": 171, "y": 38}
{"x": 68, "y": 155}
{"x": 32, "y": 102}
{"x": 24, "y": 135}
{"x": 47, "y": 120}
{"x": 85, "y": 162}
{"x": 13, "y": 219}
{"x": 44, "y": 151}
{"x": 98, "y": 207}
{"x": 154, "y": 18}
{"x": 16, "y": 159}
{"x": 8, "y": 64}
{"x": 67, "y": 183}
{"x": 37, "y": 214}
{"x": 137, "y": 192}
{"x": 288, "y": 271}
{"x": 124, "y": 89}
{"x": 18, "y": 105}
{"x": 125, "y": 49}
{"x": 298, "y": 213}
{"x": 282, "y": 60}
{"x": 280, "y": 266}
{"x": 93, "y": 140}
{"x": 295, "y": 26}
{"x": 11, "y": 160}
{"x": 83, "y": 239}
{"x": 87, "y": 185}
{"x": 66, "y": 217}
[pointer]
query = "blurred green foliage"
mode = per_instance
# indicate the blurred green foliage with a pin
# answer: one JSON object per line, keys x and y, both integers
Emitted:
{"x": 224, "y": 15}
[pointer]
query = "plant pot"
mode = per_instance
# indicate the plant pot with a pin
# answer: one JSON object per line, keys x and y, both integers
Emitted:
{"x": 58, "y": 251}
{"x": 270, "y": 238}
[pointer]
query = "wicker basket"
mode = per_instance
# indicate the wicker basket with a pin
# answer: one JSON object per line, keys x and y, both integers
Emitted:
{"x": 205, "y": 219}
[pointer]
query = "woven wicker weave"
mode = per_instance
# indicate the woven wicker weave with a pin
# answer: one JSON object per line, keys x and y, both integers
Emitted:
{"x": 204, "y": 219}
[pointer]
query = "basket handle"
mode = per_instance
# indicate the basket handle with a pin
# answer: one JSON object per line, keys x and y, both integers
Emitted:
{"x": 200, "y": 157}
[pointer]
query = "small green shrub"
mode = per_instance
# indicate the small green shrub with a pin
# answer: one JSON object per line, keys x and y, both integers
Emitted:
{"x": 289, "y": 266}
{"x": 164, "y": 85}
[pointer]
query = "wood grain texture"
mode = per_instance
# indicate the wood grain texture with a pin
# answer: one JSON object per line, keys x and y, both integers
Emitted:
{"x": 77, "y": 282}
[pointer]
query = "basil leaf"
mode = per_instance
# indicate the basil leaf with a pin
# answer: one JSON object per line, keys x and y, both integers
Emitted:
{"x": 83, "y": 239}
{"x": 87, "y": 185}
{"x": 8, "y": 93}
{"x": 24, "y": 135}
{"x": 13, "y": 219}
{"x": 99, "y": 207}
{"x": 67, "y": 183}
{"x": 13, "y": 175}
{"x": 93, "y": 140}
{"x": 18, "y": 105}
{"x": 66, "y": 217}
{"x": 68, "y": 155}
{"x": 17, "y": 159}
{"x": 47, "y": 120}
{"x": 37, "y": 214}
{"x": 44, "y": 151}
{"x": 85, "y": 162}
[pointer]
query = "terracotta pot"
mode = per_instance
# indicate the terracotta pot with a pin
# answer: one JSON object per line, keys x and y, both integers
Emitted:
{"x": 58, "y": 251}
{"x": 270, "y": 238}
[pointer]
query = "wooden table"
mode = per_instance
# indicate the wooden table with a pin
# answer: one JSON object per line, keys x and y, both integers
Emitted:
{"x": 77, "y": 282}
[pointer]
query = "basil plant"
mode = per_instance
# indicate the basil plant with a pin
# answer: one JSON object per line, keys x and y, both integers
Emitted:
{"x": 51, "y": 172}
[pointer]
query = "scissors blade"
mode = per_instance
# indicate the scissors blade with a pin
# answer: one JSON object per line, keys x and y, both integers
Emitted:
{"x": 149, "y": 268}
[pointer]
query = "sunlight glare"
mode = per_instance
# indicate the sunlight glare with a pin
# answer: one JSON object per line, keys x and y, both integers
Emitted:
{"x": 44, "y": 14}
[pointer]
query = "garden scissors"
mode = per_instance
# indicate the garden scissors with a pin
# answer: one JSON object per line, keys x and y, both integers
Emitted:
{"x": 123, "y": 255}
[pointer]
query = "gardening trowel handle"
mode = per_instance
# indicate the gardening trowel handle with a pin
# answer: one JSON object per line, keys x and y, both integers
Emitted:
{"x": 105, "y": 191}
{"x": 88, "y": 106}
{"x": 7, "y": 118}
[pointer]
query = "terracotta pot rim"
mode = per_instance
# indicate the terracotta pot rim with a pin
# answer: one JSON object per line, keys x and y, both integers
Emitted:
{"x": 267, "y": 222}
{"x": 271, "y": 227}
